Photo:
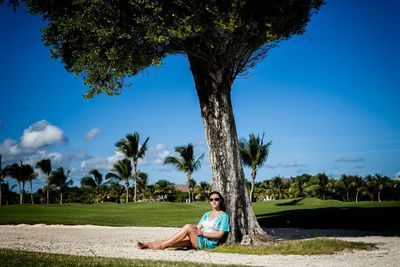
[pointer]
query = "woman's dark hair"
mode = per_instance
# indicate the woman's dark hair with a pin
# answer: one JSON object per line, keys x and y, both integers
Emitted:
{"x": 222, "y": 202}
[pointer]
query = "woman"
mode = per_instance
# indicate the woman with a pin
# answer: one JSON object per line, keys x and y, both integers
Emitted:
{"x": 211, "y": 228}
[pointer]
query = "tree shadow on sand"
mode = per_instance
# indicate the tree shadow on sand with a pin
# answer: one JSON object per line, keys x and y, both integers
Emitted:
{"x": 330, "y": 222}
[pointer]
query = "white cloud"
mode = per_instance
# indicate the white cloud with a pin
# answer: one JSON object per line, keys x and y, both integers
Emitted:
{"x": 271, "y": 166}
{"x": 114, "y": 158}
{"x": 91, "y": 134}
{"x": 158, "y": 147}
{"x": 41, "y": 134}
{"x": 161, "y": 157}
{"x": 10, "y": 148}
{"x": 34, "y": 142}
{"x": 101, "y": 163}
{"x": 350, "y": 159}
{"x": 291, "y": 164}
{"x": 157, "y": 154}
{"x": 55, "y": 157}
{"x": 397, "y": 176}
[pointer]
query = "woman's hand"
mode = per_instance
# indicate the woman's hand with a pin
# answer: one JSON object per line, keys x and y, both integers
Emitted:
{"x": 197, "y": 231}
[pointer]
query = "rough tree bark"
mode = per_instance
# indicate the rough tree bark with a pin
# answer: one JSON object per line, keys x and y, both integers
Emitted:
{"x": 253, "y": 180}
{"x": 135, "y": 176}
{"x": 213, "y": 90}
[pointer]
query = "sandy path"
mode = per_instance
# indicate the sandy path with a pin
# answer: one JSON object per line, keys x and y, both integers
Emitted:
{"x": 118, "y": 242}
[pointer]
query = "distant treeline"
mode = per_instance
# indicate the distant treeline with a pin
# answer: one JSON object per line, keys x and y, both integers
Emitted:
{"x": 347, "y": 188}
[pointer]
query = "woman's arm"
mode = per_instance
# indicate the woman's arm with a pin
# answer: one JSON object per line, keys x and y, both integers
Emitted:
{"x": 218, "y": 235}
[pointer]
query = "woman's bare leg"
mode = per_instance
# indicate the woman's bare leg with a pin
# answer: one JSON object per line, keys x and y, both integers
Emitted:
{"x": 185, "y": 234}
{"x": 184, "y": 238}
{"x": 150, "y": 245}
{"x": 141, "y": 245}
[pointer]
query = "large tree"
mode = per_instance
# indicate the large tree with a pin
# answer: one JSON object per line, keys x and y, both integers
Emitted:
{"x": 254, "y": 153}
{"x": 45, "y": 166}
{"x": 105, "y": 42}
{"x": 29, "y": 175}
{"x": 94, "y": 180}
{"x": 3, "y": 174}
{"x": 14, "y": 171}
{"x": 122, "y": 170}
{"x": 133, "y": 150}
{"x": 142, "y": 183}
{"x": 59, "y": 178}
{"x": 187, "y": 163}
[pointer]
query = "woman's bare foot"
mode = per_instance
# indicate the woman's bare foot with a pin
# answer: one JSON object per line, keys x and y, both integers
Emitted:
{"x": 141, "y": 245}
{"x": 157, "y": 246}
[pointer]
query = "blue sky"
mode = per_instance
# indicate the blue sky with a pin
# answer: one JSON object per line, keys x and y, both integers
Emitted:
{"x": 328, "y": 100}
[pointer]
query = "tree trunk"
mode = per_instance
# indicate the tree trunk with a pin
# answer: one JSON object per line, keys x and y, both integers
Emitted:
{"x": 379, "y": 195}
{"x": 135, "y": 177}
{"x": 61, "y": 198}
{"x": 48, "y": 194}
{"x": 189, "y": 187}
{"x": 253, "y": 179}
{"x": 357, "y": 196}
{"x": 23, "y": 191}
{"x": 127, "y": 192}
{"x": 213, "y": 90}
{"x": 30, "y": 184}
{"x": 20, "y": 193}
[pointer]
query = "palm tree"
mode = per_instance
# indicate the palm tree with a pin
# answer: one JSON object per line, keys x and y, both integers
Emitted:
{"x": 1, "y": 186}
{"x": 202, "y": 190}
{"x": 371, "y": 186}
{"x": 254, "y": 153}
{"x": 297, "y": 184}
{"x": 131, "y": 148}
{"x": 7, "y": 191}
{"x": 185, "y": 162}
{"x": 381, "y": 183}
{"x": 323, "y": 184}
{"x": 142, "y": 181}
{"x": 59, "y": 178}
{"x": 122, "y": 170}
{"x": 358, "y": 184}
{"x": 42, "y": 195}
{"x": 15, "y": 172}
{"x": 95, "y": 182}
{"x": 88, "y": 183}
{"x": 29, "y": 174}
{"x": 163, "y": 188}
{"x": 45, "y": 166}
{"x": 115, "y": 189}
{"x": 312, "y": 187}
{"x": 3, "y": 175}
{"x": 278, "y": 187}
{"x": 345, "y": 183}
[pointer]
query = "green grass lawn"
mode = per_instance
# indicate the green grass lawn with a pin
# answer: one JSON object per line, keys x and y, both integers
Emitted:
{"x": 315, "y": 213}
{"x": 111, "y": 214}
{"x": 299, "y": 213}
{"x": 18, "y": 258}
{"x": 315, "y": 246}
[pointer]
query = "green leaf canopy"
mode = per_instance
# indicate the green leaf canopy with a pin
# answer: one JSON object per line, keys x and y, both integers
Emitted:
{"x": 107, "y": 41}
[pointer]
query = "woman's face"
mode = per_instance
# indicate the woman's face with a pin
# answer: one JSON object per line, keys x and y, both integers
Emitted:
{"x": 215, "y": 201}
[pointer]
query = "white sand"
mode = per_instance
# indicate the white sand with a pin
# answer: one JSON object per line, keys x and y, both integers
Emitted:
{"x": 118, "y": 242}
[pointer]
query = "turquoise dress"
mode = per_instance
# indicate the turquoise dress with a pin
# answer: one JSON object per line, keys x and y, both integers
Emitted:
{"x": 220, "y": 222}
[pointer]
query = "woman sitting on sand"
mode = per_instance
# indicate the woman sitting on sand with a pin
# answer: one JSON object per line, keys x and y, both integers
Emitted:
{"x": 211, "y": 228}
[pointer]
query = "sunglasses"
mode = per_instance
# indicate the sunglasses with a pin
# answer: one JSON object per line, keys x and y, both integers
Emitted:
{"x": 214, "y": 199}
